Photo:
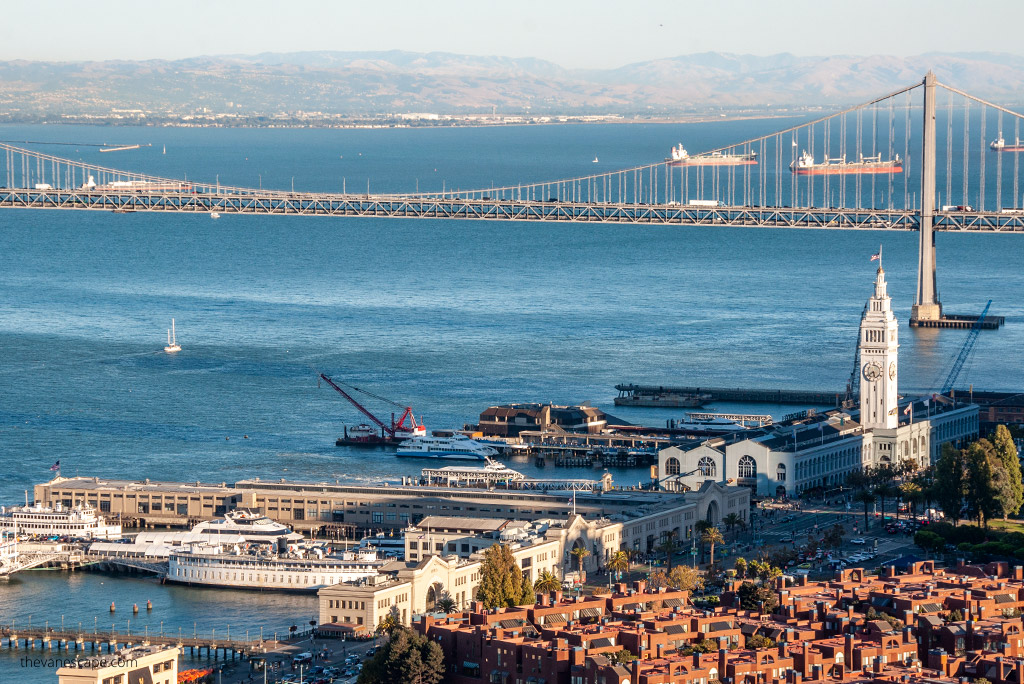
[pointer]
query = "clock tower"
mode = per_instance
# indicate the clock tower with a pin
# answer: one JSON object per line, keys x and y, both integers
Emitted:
{"x": 878, "y": 362}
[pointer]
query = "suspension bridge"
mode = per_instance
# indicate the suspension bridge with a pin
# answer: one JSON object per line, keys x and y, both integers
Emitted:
{"x": 873, "y": 166}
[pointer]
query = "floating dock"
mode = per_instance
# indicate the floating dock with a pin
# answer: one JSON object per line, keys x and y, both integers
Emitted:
{"x": 959, "y": 322}
{"x": 737, "y": 394}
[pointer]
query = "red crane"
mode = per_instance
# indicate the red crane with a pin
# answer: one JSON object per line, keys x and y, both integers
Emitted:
{"x": 398, "y": 429}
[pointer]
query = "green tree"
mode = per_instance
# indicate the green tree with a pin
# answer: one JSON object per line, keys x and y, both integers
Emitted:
{"x": 949, "y": 483}
{"x": 702, "y": 646}
{"x": 1006, "y": 452}
{"x": 619, "y": 562}
{"x": 740, "y": 565}
{"x": 546, "y": 582}
{"x": 669, "y": 546}
{"x": 623, "y": 657}
{"x": 685, "y": 578}
{"x": 657, "y": 580}
{"x": 759, "y": 641}
{"x": 981, "y": 493}
{"x": 833, "y": 537}
{"x": 757, "y": 597}
{"x": 712, "y": 536}
{"x": 733, "y": 521}
{"x": 912, "y": 494}
{"x": 406, "y": 657}
{"x": 501, "y": 581}
{"x": 866, "y": 497}
{"x": 445, "y": 603}
{"x": 579, "y": 553}
{"x": 389, "y": 622}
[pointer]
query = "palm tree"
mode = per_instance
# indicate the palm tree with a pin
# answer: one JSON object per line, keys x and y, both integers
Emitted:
{"x": 866, "y": 497}
{"x": 580, "y": 552}
{"x": 712, "y": 536}
{"x": 669, "y": 545}
{"x": 733, "y": 521}
{"x": 883, "y": 491}
{"x": 389, "y": 623}
{"x": 546, "y": 583}
{"x": 912, "y": 494}
{"x": 619, "y": 562}
{"x": 446, "y": 604}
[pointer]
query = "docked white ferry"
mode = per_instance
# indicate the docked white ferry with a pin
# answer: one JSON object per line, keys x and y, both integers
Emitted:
{"x": 456, "y": 447}
{"x": 57, "y": 521}
{"x": 219, "y": 566}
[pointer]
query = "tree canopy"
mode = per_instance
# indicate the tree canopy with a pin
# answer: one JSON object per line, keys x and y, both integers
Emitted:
{"x": 501, "y": 580}
{"x": 406, "y": 657}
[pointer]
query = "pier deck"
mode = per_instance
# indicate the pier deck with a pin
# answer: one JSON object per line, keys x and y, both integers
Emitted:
{"x": 633, "y": 395}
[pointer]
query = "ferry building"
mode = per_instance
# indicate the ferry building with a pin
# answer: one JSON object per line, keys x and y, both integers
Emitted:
{"x": 822, "y": 449}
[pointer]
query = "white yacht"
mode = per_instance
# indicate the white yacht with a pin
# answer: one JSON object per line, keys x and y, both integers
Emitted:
{"x": 253, "y": 527}
{"x": 457, "y": 447}
{"x": 217, "y": 565}
{"x": 172, "y": 340}
{"x": 57, "y": 521}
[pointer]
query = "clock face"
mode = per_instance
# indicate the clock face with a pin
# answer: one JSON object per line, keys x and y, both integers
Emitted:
{"x": 892, "y": 370}
{"x": 872, "y": 371}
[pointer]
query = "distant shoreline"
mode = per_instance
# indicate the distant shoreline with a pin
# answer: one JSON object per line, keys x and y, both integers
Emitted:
{"x": 370, "y": 123}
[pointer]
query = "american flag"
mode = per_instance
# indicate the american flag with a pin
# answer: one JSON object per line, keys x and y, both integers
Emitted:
{"x": 55, "y": 467}
{"x": 876, "y": 257}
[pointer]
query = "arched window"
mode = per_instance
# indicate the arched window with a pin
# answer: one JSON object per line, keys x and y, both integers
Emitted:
{"x": 780, "y": 472}
{"x": 706, "y": 466}
{"x": 747, "y": 467}
{"x": 672, "y": 466}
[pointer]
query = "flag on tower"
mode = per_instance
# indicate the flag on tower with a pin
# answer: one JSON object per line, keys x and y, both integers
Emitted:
{"x": 55, "y": 467}
{"x": 876, "y": 257}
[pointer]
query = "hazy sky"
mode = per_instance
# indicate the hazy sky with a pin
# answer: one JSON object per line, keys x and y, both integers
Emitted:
{"x": 572, "y": 33}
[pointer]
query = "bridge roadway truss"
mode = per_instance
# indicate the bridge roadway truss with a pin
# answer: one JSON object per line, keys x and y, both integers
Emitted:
{"x": 391, "y": 206}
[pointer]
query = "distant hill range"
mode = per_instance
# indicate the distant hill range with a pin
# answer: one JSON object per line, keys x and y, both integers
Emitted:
{"x": 362, "y": 83}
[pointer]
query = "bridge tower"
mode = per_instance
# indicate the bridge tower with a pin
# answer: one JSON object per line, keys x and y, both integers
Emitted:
{"x": 926, "y": 302}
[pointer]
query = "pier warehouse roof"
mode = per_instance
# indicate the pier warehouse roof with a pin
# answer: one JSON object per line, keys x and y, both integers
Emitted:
{"x": 316, "y": 505}
{"x": 510, "y": 419}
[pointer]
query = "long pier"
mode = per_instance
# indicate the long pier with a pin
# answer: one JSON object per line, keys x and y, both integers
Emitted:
{"x": 49, "y": 639}
{"x": 633, "y": 395}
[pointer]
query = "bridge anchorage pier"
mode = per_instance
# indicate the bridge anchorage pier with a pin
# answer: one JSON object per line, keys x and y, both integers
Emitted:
{"x": 927, "y": 309}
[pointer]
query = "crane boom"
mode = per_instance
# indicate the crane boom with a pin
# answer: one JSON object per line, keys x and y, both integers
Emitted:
{"x": 965, "y": 351}
{"x": 359, "y": 406}
{"x": 398, "y": 429}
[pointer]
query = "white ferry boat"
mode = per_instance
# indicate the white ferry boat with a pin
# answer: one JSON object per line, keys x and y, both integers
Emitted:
{"x": 457, "y": 447}
{"x": 57, "y": 521}
{"x": 217, "y": 566}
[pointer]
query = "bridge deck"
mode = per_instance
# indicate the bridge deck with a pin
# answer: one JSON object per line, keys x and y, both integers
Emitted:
{"x": 393, "y": 206}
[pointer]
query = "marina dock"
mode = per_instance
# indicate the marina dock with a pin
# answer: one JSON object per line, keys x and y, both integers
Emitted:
{"x": 662, "y": 395}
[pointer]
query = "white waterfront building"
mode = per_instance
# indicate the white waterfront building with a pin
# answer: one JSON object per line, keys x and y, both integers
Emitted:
{"x": 822, "y": 449}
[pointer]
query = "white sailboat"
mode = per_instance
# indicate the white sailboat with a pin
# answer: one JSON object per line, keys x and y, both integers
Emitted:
{"x": 172, "y": 340}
